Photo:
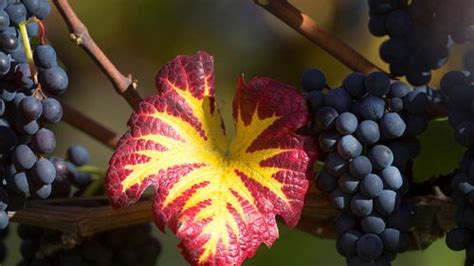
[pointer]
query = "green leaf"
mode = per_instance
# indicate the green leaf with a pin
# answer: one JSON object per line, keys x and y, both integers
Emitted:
{"x": 440, "y": 153}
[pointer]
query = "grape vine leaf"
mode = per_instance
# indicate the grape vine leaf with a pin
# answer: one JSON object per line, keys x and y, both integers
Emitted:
{"x": 220, "y": 197}
{"x": 437, "y": 142}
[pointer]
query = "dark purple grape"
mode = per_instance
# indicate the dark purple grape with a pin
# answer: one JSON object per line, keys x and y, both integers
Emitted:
{"x": 52, "y": 111}
{"x": 23, "y": 157}
{"x": 16, "y": 12}
{"x": 313, "y": 79}
{"x": 78, "y": 155}
{"x": 45, "y": 56}
{"x": 4, "y": 20}
{"x": 44, "y": 171}
{"x": 54, "y": 80}
{"x": 44, "y": 192}
{"x": 31, "y": 108}
{"x": 369, "y": 246}
{"x": 377, "y": 84}
{"x": 5, "y": 63}
{"x": 347, "y": 242}
{"x": 44, "y": 141}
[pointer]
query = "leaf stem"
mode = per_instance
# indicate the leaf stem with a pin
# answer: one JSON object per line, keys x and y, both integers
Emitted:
{"x": 26, "y": 42}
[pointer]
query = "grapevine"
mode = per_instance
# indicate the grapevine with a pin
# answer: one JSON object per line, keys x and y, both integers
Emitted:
{"x": 222, "y": 202}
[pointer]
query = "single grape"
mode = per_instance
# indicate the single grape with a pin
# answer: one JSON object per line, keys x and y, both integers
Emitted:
{"x": 348, "y": 184}
{"x": 386, "y": 202}
{"x": 416, "y": 101}
{"x": 45, "y": 56}
{"x": 371, "y": 186}
{"x": 395, "y": 104}
{"x": 368, "y": 132}
{"x": 381, "y": 156}
{"x": 52, "y": 111}
{"x": 458, "y": 239}
{"x": 30, "y": 108}
{"x": 349, "y": 147}
{"x": 44, "y": 192}
{"x": 328, "y": 140}
{"x": 326, "y": 117}
{"x": 8, "y": 43}
{"x": 347, "y": 242}
{"x": 19, "y": 182}
{"x": 398, "y": 90}
{"x": 345, "y": 223}
{"x": 23, "y": 157}
{"x": 313, "y": 79}
{"x": 44, "y": 141}
{"x": 392, "y": 126}
{"x": 78, "y": 155}
{"x": 346, "y": 123}
{"x": 54, "y": 80}
{"x": 28, "y": 127}
{"x": 372, "y": 108}
{"x": 377, "y": 25}
{"x": 369, "y": 246}
{"x": 361, "y": 205}
{"x": 355, "y": 85}
{"x": 360, "y": 167}
{"x": 5, "y": 63}
{"x": 390, "y": 239}
{"x": 335, "y": 165}
{"x": 377, "y": 84}
{"x": 338, "y": 99}
{"x": 16, "y": 12}
{"x": 392, "y": 178}
{"x": 60, "y": 166}
{"x": 316, "y": 100}
{"x": 4, "y": 20}
{"x": 44, "y": 9}
{"x": 44, "y": 171}
{"x": 373, "y": 224}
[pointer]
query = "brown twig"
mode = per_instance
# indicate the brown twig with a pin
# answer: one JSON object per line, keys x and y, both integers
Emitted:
{"x": 305, "y": 25}
{"x": 124, "y": 85}
{"x": 83, "y": 217}
{"x": 89, "y": 126}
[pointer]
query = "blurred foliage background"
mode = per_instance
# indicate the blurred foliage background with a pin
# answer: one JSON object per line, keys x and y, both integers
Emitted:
{"x": 142, "y": 35}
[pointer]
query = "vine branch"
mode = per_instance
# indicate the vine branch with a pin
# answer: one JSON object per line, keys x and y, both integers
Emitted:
{"x": 124, "y": 85}
{"x": 307, "y": 27}
{"x": 89, "y": 126}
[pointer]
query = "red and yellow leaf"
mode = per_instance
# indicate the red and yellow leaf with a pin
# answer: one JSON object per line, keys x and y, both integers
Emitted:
{"x": 219, "y": 196}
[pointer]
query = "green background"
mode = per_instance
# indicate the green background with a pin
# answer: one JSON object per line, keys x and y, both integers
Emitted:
{"x": 141, "y": 35}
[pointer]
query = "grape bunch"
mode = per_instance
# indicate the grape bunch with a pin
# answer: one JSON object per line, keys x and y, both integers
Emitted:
{"x": 28, "y": 87}
{"x": 129, "y": 246}
{"x": 421, "y": 33}
{"x": 459, "y": 91}
{"x": 367, "y": 129}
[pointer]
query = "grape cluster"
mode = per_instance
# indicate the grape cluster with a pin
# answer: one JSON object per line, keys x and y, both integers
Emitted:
{"x": 421, "y": 33}
{"x": 27, "y": 104}
{"x": 367, "y": 130}
{"x": 130, "y": 246}
{"x": 459, "y": 91}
